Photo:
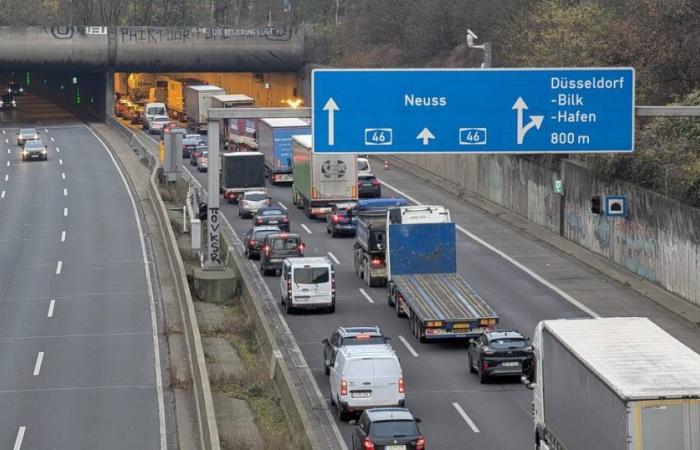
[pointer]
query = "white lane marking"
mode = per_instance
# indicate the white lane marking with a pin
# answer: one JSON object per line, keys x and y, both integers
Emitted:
{"x": 9, "y": 152}
{"x": 46, "y": 130}
{"x": 20, "y": 432}
{"x": 517, "y": 264}
{"x": 63, "y": 175}
{"x": 52, "y": 139}
{"x": 333, "y": 257}
{"x": 366, "y": 295}
{"x": 65, "y": 192}
{"x": 7, "y": 177}
{"x": 4, "y": 132}
{"x": 466, "y": 418}
{"x": 52, "y": 305}
{"x": 8, "y": 163}
{"x": 281, "y": 205}
{"x": 65, "y": 212}
{"x": 7, "y": 141}
{"x": 58, "y": 150}
{"x": 60, "y": 161}
{"x": 59, "y": 265}
{"x": 408, "y": 346}
{"x": 152, "y": 302}
{"x": 63, "y": 236}
{"x": 37, "y": 365}
{"x": 2, "y": 195}
{"x": 305, "y": 228}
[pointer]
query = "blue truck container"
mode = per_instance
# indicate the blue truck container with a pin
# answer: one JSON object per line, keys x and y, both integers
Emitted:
{"x": 369, "y": 216}
{"x": 425, "y": 287}
{"x": 274, "y": 140}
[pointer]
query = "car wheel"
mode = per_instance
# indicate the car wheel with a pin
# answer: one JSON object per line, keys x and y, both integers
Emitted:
{"x": 333, "y": 233}
{"x": 288, "y": 307}
{"x": 333, "y": 402}
{"x": 331, "y": 309}
{"x": 483, "y": 379}
{"x": 343, "y": 415}
{"x": 471, "y": 363}
{"x": 281, "y": 299}
{"x": 327, "y": 369}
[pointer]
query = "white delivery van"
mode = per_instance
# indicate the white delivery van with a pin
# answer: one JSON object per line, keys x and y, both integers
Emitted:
{"x": 307, "y": 283}
{"x": 152, "y": 110}
{"x": 364, "y": 377}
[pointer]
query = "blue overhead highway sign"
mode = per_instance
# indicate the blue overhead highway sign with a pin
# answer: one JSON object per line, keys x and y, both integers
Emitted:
{"x": 473, "y": 110}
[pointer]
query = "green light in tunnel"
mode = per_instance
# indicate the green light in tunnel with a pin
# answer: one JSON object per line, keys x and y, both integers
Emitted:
{"x": 77, "y": 95}
{"x": 28, "y": 79}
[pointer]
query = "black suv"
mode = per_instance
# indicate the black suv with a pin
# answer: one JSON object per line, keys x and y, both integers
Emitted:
{"x": 254, "y": 238}
{"x": 345, "y": 336}
{"x": 501, "y": 353}
{"x": 338, "y": 221}
{"x": 387, "y": 428}
{"x": 276, "y": 247}
{"x": 7, "y": 101}
{"x": 15, "y": 88}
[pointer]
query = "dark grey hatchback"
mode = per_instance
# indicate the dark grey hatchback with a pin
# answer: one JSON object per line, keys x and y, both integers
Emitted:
{"x": 272, "y": 215}
{"x": 387, "y": 428}
{"x": 500, "y": 353}
{"x": 276, "y": 247}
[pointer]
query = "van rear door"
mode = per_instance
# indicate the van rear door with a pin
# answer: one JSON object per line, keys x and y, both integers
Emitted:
{"x": 312, "y": 284}
{"x": 386, "y": 381}
{"x": 359, "y": 374}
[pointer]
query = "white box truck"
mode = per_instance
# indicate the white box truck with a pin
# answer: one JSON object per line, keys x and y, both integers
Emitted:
{"x": 618, "y": 383}
{"x": 321, "y": 179}
{"x": 197, "y": 104}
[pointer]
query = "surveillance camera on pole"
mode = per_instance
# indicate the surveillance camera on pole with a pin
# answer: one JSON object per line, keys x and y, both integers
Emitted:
{"x": 486, "y": 47}
{"x": 471, "y": 37}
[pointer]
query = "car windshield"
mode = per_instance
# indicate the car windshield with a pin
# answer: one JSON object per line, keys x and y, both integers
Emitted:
{"x": 363, "y": 340}
{"x": 311, "y": 275}
{"x": 506, "y": 343}
{"x": 272, "y": 212}
{"x": 205, "y": 155}
{"x": 362, "y": 165}
{"x": 34, "y": 145}
{"x": 288, "y": 243}
{"x": 393, "y": 428}
{"x": 194, "y": 137}
{"x": 27, "y": 131}
{"x": 260, "y": 235}
{"x": 366, "y": 177}
{"x": 254, "y": 197}
{"x": 156, "y": 111}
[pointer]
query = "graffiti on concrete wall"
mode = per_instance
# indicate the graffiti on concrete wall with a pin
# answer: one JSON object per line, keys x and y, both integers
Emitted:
{"x": 552, "y": 202}
{"x": 636, "y": 248}
{"x": 67, "y": 32}
{"x": 159, "y": 35}
{"x": 601, "y": 233}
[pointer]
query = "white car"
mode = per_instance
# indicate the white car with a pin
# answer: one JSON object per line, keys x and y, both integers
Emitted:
{"x": 364, "y": 377}
{"x": 363, "y": 168}
{"x": 157, "y": 124}
{"x": 307, "y": 283}
{"x": 251, "y": 201}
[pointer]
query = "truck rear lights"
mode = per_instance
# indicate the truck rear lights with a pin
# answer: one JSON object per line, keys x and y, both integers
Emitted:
{"x": 343, "y": 387}
{"x": 376, "y": 262}
{"x": 401, "y": 386}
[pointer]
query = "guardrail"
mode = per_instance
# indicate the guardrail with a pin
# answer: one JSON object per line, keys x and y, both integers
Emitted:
{"x": 204, "y": 404}
{"x": 301, "y": 399}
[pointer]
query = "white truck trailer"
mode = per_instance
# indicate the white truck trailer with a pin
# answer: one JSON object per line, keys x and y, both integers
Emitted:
{"x": 617, "y": 383}
{"x": 197, "y": 104}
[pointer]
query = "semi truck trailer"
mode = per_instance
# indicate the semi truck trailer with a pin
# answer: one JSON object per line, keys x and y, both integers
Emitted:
{"x": 197, "y": 104}
{"x": 274, "y": 137}
{"x": 229, "y": 132}
{"x": 240, "y": 172}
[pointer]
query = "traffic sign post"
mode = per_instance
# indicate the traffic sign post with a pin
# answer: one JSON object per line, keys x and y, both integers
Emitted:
{"x": 473, "y": 110}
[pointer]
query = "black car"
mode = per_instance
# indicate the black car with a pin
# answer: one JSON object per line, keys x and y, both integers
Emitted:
{"x": 345, "y": 336}
{"x": 15, "y": 88}
{"x": 368, "y": 186}
{"x": 7, "y": 101}
{"x": 338, "y": 221}
{"x": 34, "y": 149}
{"x": 276, "y": 247}
{"x": 254, "y": 238}
{"x": 382, "y": 428}
{"x": 500, "y": 353}
{"x": 272, "y": 215}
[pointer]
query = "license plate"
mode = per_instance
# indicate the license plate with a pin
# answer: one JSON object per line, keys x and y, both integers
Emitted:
{"x": 273, "y": 222}
{"x": 275, "y": 260}
{"x": 510, "y": 364}
{"x": 395, "y": 447}
{"x": 362, "y": 394}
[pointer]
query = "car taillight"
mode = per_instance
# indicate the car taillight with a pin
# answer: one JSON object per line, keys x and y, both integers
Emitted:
{"x": 289, "y": 285}
{"x": 343, "y": 387}
{"x": 375, "y": 182}
{"x": 367, "y": 444}
{"x": 376, "y": 262}
{"x": 268, "y": 202}
{"x": 301, "y": 248}
{"x": 285, "y": 220}
{"x": 266, "y": 249}
{"x": 485, "y": 364}
{"x": 401, "y": 386}
{"x": 333, "y": 283}
{"x": 420, "y": 443}
{"x": 259, "y": 221}
{"x": 253, "y": 242}
{"x": 334, "y": 218}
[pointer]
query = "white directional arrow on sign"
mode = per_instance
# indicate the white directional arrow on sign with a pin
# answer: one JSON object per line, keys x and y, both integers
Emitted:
{"x": 425, "y": 135}
{"x": 331, "y": 107}
{"x": 535, "y": 121}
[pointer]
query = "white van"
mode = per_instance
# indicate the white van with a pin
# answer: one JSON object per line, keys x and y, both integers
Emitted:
{"x": 364, "y": 377}
{"x": 308, "y": 283}
{"x": 152, "y": 110}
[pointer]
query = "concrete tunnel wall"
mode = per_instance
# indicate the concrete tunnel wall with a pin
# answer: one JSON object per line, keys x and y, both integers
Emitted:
{"x": 151, "y": 49}
{"x": 92, "y": 89}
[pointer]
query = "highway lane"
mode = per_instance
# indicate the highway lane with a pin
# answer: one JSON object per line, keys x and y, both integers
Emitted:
{"x": 77, "y": 362}
{"x": 497, "y": 414}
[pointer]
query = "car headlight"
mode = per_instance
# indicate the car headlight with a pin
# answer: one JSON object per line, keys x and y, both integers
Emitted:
{"x": 43, "y": 152}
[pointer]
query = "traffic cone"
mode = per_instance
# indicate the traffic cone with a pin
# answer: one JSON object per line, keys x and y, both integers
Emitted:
{"x": 386, "y": 165}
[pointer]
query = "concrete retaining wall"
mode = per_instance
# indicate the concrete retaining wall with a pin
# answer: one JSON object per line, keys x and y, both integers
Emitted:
{"x": 659, "y": 240}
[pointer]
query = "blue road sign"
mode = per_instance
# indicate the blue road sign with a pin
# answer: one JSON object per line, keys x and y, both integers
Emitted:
{"x": 616, "y": 206}
{"x": 473, "y": 110}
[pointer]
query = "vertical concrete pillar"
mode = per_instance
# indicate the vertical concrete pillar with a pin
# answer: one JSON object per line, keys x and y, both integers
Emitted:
{"x": 109, "y": 93}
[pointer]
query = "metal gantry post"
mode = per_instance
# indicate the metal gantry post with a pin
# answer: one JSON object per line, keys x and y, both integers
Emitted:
{"x": 213, "y": 259}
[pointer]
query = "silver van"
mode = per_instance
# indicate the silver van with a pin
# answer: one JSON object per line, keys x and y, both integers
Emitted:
{"x": 364, "y": 377}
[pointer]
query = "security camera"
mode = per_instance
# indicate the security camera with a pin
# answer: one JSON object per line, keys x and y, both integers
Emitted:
{"x": 471, "y": 34}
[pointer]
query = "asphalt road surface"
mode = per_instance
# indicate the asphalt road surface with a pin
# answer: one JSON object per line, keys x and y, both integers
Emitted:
{"x": 77, "y": 362}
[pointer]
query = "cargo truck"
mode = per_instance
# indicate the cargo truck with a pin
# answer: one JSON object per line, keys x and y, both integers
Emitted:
{"x": 319, "y": 179}
{"x": 274, "y": 137}
{"x": 369, "y": 217}
{"x": 229, "y": 131}
{"x": 175, "y": 96}
{"x": 423, "y": 283}
{"x": 240, "y": 172}
{"x": 619, "y": 383}
{"x": 197, "y": 104}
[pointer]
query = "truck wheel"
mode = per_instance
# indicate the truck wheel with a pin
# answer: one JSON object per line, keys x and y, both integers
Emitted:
{"x": 397, "y": 306}
{"x": 288, "y": 307}
{"x": 389, "y": 297}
